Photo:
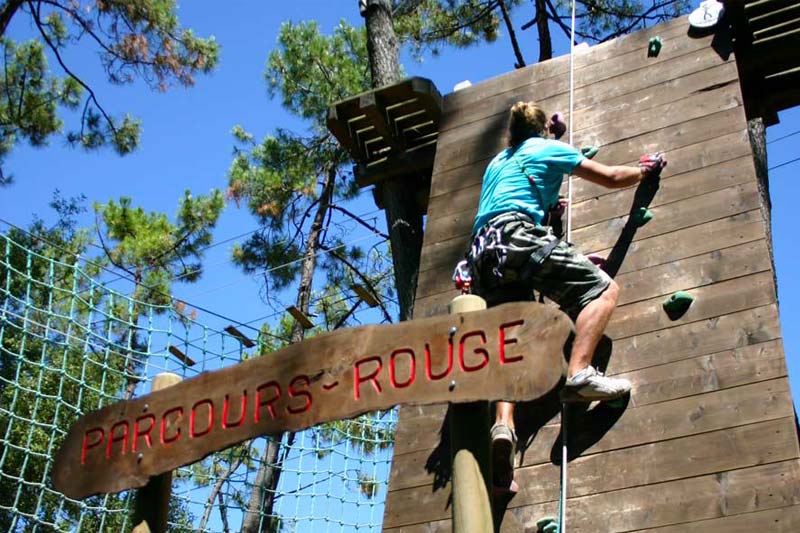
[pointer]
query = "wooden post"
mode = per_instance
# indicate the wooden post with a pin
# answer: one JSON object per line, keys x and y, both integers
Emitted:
{"x": 472, "y": 476}
{"x": 152, "y": 501}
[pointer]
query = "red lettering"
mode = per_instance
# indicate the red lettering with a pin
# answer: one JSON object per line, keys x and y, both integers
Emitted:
{"x": 112, "y": 438}
{"x": 163, "y": 435}
{"x": 89, "y": 445}
{"x": 268, "y": 403}
{"x": 372, "y": 377}
{"x": 412, "y": 370}
{"x": 139, "y": 432}
{"x": 193, "y": 414}
{"x": 503, "y": 341}
{"x": 462, "y": 363}
{"x": 428, "y": 365}
{"x": 294, "y": 394}
{"x": 226, "y": 408}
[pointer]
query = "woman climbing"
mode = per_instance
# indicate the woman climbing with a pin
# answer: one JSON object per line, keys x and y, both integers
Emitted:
{"x": 514, "y": 252}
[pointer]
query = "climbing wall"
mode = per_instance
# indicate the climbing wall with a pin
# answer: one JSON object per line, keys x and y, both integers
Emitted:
{"x": 708, "y": 441}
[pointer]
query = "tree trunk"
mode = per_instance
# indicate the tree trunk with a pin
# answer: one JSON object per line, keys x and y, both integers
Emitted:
{"x": 403, "y": 217}
{"x": 758, "y": 142}
{"x": 545, "y": 41}
{"x": 512, "y": 35}
{"x": 269, "y": 471}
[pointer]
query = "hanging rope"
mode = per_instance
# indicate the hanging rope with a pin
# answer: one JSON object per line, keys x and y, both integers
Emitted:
{"x": 562, "y": 501}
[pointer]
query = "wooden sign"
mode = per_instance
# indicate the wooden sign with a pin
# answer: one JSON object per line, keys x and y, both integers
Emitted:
{"x": 512, "y": 352}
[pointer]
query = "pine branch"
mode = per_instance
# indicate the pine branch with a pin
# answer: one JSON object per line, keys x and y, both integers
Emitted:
{"x": 512, "y": 34}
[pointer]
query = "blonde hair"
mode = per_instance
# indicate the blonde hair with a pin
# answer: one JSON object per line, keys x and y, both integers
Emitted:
{"x": 525, "y": 120}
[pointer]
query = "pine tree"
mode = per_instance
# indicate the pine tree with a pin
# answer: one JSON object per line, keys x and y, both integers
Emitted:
{"x": 295, "y": 185}
{"x": 135, "y": 39}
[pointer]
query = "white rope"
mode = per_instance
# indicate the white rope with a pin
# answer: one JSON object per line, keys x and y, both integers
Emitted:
{"x": 562, "y": 518}
{"x": 571, "y": 111}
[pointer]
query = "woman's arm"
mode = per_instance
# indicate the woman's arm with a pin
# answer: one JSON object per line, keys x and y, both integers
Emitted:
{"x": 613, "y": 177}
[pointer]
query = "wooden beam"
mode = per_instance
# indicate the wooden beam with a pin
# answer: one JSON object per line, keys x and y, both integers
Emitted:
{"x": 151, "y": 508}
{"x": 300, "y": 317}
{"x": 185, "y": 359}
{"x": 370, "y": 104}
{"x": 366, "y": 296}
{"x": 406, "y": 163}
{"x": 240, "y": 336}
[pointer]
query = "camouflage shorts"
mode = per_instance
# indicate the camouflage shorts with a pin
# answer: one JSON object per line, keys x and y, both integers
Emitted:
{"x": 565, "y": 276}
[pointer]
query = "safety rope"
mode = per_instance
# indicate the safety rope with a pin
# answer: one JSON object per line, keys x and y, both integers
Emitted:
{"x": 562, "y": 501}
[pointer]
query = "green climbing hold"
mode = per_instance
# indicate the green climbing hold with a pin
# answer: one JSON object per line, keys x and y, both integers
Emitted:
{"x": 547, "y": 521}
{"x": 654, "y": 47}
{"x": 642, "y": 216}
{"x": 589, "y": 151}
{"x": 678, "y": 302}
{"x": 551, "y": 528}
{"x": 618, "y": 403}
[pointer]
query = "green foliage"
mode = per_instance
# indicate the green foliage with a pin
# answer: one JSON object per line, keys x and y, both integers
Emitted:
{"x": 279, "y": 177}
{"x": 29, "y": 101}
{"x": 601, "y": 20}
{"x": 135, "y": 39}
{"x": 153, "y": 250}
{"x": 427, "y": 25}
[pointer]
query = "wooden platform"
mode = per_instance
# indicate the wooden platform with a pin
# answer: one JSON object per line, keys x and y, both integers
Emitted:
{"x": 391, "y": 131}
{"x": 709, "y": 441}
{"x": 767, "y": 42}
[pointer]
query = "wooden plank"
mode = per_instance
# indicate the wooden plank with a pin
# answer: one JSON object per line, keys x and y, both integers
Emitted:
{"x": 726, "y": 493}
{"x": 712, "y": 300}
{"x": 672, "y": 188}
{"x": 784, "y": 519}
{"x": 484, "y": 138}
{"x": 676, "y": 378}
{"x": 298, "y": 386}
{"x": 674, "y": 216}
{"x": 693, "y": 272}
{"x": 669, "y": 218}
{"x": 601, "y": 83}
{"x": 721, "y": 263}
{"x": 696, "y": 504}
{"x": 692, "y": 456}
{"x": 634, "y": 43}
{"x": 710, "y": 335}
{"x": 685, "y": 134}
{"x": 673, "y": 419}
{"x": 458, "y": 190}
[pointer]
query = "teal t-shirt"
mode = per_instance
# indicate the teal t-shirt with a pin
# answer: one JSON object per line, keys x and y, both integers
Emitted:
{"x": 507, "y": 188}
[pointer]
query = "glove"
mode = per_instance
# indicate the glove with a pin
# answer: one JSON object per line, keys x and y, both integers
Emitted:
{"x": 652, "y": 164}
{"x": 556, "y": 125}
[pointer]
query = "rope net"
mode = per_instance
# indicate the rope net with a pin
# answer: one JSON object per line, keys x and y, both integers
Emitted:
{"x": 70, "y": 345}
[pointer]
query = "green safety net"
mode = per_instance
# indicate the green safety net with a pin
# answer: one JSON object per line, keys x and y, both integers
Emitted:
{"x": 70, "y": 344}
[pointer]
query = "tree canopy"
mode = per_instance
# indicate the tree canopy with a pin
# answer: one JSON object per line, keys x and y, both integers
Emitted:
{"x": 134, "y": 39}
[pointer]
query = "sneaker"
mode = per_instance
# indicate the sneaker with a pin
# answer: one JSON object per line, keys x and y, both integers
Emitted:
{"x": 504, "y": 446}
{"x": 589, "y": 385}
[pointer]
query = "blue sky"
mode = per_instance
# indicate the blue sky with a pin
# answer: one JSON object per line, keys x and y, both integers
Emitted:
{"x": 186, "y": 143}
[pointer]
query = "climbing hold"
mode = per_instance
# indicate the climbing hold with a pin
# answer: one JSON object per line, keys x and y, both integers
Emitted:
{"x": 589, "y": 151}
{"x": 617, "y": 403}
{"x": 556, "y": 125}
{"x": 654, "y": 47}
{"x": 642, "y": 216}
{"x": 545, "y": 522}
{"x": 551, "y": 528}
{"x": 679, "y": 302}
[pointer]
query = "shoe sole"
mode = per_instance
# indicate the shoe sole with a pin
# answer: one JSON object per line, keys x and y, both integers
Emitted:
{"x": 575, "y": 396}
{"x": 502, "y": 466}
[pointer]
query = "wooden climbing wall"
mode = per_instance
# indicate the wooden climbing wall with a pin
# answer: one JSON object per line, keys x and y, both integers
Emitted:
{"x": 708, "y": 441}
